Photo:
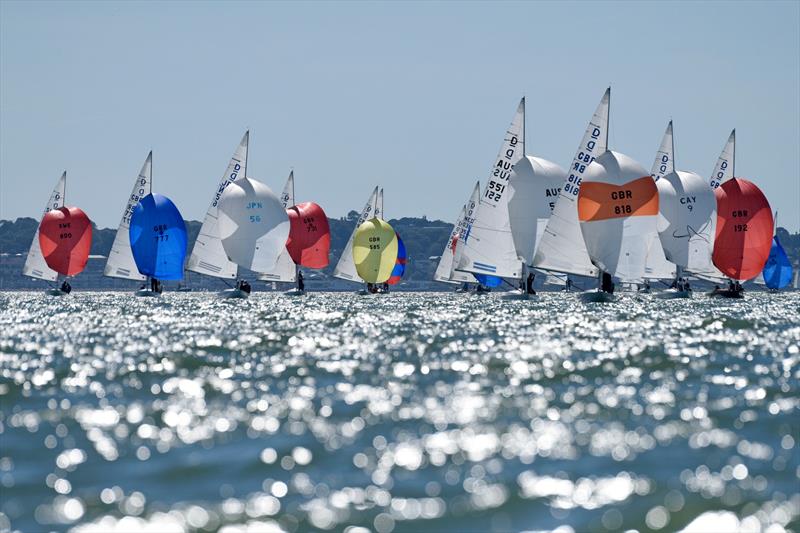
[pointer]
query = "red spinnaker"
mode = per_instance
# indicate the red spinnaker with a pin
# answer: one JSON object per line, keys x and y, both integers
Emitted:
{"x": 65, "y": 237}
{"x": 744, "y": 229}
{"x": 309, "y": 235}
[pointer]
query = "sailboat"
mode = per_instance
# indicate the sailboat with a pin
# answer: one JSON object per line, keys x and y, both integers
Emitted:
{"x": 777, "y": 271}
{"x": 309, "y": 240}
{"x": 561, "y": 247}
{"x": 253, "y": 227}
{"x": 346, "y": 267}
{"x": 375, "y": 251}
{"x": 208, "y": 256}
{"x": 120, "y": 262}
{"x": 445, "y": 271}
{"x": 488, "y": 249}
{"x": 61, "y": 243}
{"x": 656, "y": 266}
{"x": 687, "y": 210}
{"x": 157, "y": 234}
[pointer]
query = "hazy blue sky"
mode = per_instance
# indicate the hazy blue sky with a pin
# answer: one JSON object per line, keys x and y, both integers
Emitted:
{"x": 414, "y": 96}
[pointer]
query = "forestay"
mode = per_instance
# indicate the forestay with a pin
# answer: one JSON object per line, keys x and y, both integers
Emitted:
{"x": 208, "y": 256}
{"x": 253, "y": 225}
{"x": 490, "y": 248}
{"x": 35, "y": 265}
{"x": 656, "y": 265}
{"x": 618, "y": 213}
{"x": 285, "y": 269}
{"x": 562, "y": 248}
{"x": 444, "y": 270}
{"x": 120, "y": 263}
{"x": 534, "y": 188}
{"x": 346, "y": 268}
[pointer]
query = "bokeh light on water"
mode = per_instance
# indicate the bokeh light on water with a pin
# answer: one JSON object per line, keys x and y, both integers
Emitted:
{"x": 404, "y": 412}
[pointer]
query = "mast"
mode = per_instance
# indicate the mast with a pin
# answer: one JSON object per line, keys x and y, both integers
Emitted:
{"x": 608, "y": 123}
{"x": 672, "y": 140}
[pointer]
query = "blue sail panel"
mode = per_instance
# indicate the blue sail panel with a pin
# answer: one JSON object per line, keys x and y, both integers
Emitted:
{"x": 400, "y": 264}
{"x": 777, "y": 270}
{"x": 158, "y": 237}
{"x": 488, "y": 281}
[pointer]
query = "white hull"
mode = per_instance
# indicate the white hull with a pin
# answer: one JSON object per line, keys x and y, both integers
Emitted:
{"x": 147, "y": 293}
{"x": 295, "y": 292}
{"x": 234, "y": 293}
{"x": 517, "y": 295}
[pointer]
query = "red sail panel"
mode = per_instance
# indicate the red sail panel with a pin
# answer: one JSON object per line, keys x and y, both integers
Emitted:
{"x": 744, "y": 229}
{"x": 65, "y": 237}
{"x": 309, "y": 240}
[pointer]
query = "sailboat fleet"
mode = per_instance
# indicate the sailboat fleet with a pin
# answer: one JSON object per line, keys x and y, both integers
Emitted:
{"x": 604, "y": 217}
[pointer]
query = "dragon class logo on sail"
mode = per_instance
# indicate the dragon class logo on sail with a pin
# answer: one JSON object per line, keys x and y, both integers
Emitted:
{"x": 584, "y": 157}
{"x": 502, "y": 172}
{"x": 231, "y": 178}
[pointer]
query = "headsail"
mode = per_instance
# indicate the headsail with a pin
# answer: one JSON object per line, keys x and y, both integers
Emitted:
{"x": 35, "y": 265}
{"x": 778, "y": 269}
{"x": 445, "y": 271}
{"x": 656, "y": 266}
{"x": 120, "y": 263}
{"x": 346, "y": 268}
{"x": 724, "y": 168}
{"x": 562, "y": 248}
{"x": 490, "y": 248}
{"x": 208, "y": 256}
{"x": 285, "y": 270}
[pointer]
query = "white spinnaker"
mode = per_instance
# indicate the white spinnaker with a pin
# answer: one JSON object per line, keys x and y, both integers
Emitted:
{"x": 35, "y": 265}
{"x": 561, "y": 248}
{"x": 618, "y": 243}
{"x": 445, "y": 270}
{"x": 687, "y": 207}
{"x": 346, "y": 268}
{"x": 253, "y": 225}
{"x": 285, "y": 270}
{"x": 534, "y": 188}
{"x": 723, "y": 170}
{"x": 490, "y": 247}
{"x": 208, "y": 256}
{"x": 120, "y": 263}
{"x": 657, "y": 266}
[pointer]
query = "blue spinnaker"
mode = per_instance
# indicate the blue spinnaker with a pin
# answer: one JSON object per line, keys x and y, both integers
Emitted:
{"x": 487, "y": 280}
{"x": 400, "y": 264}
{"x": 777, "y": 270}
{"x": 158, "y": 237}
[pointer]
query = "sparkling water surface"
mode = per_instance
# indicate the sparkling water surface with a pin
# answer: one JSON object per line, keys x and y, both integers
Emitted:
{"x": 399, "y": 412}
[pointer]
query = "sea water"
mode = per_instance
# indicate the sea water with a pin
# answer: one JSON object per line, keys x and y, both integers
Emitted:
{"x": 399, "y": 412}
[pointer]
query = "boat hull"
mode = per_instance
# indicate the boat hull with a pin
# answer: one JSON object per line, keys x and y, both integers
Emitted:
{"x": 517, "y": 295}
{"x": 295, "y": 292}
{"x": 597, "y": 297}
{"x": 234, "y": 293}
{"x": 55, "y": 292}
{"x": 671, "y": 294}
{"x": 726, "y": 293}
{"x": 147, "y": 293}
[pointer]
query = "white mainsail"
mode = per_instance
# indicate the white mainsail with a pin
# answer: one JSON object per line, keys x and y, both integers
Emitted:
{"x": 723, "y": 170}
{"x": 561, "y": 248}
{"x": 346, "y": 268}
{"x": 490, "y": 248}
{"x": 35, "y": 265}
{"x": 534, "y": 188}
{"x": 618, "y": 213}
{"x": 285, "y": 270}
{"x": 120, "y": 263}
{"x": 445, "y": 270}
{"x": 208, "y": 256}
{"x": 657, "y": 266}
{"x": 379, "y": 205}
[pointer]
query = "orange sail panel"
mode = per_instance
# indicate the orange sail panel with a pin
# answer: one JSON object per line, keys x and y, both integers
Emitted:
{"x": 744, "y": 229}
{"x": 309, "y": 240}
{"x": 601, "y": 201}
{"x": 65, "y": 237}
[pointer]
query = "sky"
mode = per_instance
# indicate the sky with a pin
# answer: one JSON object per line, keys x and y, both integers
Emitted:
{"x": 414, "y": 96}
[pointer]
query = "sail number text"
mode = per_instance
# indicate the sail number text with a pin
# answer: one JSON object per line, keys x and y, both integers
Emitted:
{"x": 580, "y": 163}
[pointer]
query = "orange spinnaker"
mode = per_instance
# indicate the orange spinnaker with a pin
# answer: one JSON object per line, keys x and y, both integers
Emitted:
{"x": 744, "y": 229}
{"x": 65, "y": 238}
{"x": 601, "y": 201}
{"x": 309, "y": 240}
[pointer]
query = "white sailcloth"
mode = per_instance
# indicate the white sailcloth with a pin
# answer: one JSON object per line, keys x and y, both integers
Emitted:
{"x": 346, "y": 268}
{"x": 445, "y": 269}
{"x": 120, "y": 263}
{"x": 562, "y": 248}
{"x": 618, "y": 215}
{"x": 253, "y": 225}
{"x": 657, "y": 266}
{"x": 490, "y": 247}
{"x": 534, "y": 188}
{"x": 35, "y": 265}
{"x": 208, "y": 256}
{"x": 285, "y": 270}
{"x": 723, "y": 170}
{"x": 379, "y": 205}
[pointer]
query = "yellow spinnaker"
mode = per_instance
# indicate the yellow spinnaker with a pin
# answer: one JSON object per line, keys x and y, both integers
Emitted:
{"x": 375, "y": 250}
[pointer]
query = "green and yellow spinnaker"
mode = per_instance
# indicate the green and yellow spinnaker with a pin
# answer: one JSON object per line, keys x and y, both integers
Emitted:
{"x": 375, "y": 250}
